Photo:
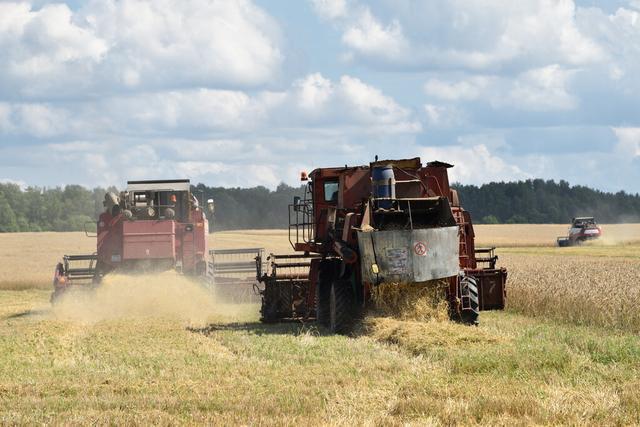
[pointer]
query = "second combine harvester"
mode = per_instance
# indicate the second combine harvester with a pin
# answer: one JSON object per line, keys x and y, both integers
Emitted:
{"x": 394, "y": 221}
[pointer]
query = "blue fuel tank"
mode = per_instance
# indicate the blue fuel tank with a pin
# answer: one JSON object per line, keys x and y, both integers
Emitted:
{"x": 384, "y": 185}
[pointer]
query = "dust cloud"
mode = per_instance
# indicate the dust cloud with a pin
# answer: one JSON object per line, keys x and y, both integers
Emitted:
{"x": 166, "y": 295}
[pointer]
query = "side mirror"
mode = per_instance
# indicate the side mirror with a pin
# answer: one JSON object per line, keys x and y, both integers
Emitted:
{"x": 210, "y": 206}
{"x": 90, "y": 233}
{"x": 296, "y": 203}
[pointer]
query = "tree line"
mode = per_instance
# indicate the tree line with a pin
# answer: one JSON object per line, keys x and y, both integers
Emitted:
{"x": 531, "y": 201}
{"x": 537, "y": 201}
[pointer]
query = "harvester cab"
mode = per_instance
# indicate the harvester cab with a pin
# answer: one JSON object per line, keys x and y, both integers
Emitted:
{"x": 392, "y": 221}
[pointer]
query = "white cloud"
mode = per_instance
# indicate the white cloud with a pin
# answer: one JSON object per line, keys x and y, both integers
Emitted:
{"x": 468, "y": 89}
{"x": 476, "y": 34}
{"x": 44, "y": 47}
{"x": 619, "y": 33}
{"x": 628, "y": 146}
{"x": 187, "y": 110}
{"x": 330, "y": 9}
{"x": 35, "y": 119}
{"x": 370, "y": 106}
{"x": 314, "y": 103}
{"x": 138, "y": 88}
{"x": 538, "y": 89}
{"x": 115, "y": 162}
{"x": 541, "y": 89}
{"x": 349, "y": 105}
{"x": 23, "y": 185}
{"x": 475, "y": 164}
{"x": 369, "y": 37}
{"x": 313, "y": 93}
{"x": 444, "y": 116}
{"x": 132, "y": 44}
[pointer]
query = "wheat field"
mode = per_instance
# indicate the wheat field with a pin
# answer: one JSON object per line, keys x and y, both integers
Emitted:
{"x": 163, "y": 350}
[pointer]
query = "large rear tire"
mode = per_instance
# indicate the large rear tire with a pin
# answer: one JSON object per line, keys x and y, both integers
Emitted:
{"x": 341, "y": 311}
{"x": 327, "y": 272}
{"x": 469, "y": 291}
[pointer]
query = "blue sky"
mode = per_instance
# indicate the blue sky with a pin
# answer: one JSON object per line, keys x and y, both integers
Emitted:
{"x": 250, "y": 92}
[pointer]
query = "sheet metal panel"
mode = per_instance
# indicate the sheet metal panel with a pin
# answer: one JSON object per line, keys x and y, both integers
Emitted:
{"x": 406, "y": 256}
{"x": 148, "y": 240}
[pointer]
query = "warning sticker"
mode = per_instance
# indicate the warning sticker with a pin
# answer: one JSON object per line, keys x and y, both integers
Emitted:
{"x": 420, "y": 249}
{"x": 398, "y": 260}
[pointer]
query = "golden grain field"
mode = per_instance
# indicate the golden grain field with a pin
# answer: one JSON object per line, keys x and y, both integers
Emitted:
{"x": 546, "y": 234}
{"x": 162, "y": 350}
{"x": 576, "y": 289}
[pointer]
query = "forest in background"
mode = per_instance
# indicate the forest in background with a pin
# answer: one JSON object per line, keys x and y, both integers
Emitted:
{"x": 532, "y": 201}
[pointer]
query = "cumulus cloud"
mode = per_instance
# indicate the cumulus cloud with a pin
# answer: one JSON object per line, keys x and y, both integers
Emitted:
{"x": 226, "y": 137}
{"x": 444, "y": 116}
{"x": 353, "y": 102}
{"x": 228, "y": 163}
{"x": 53, "y": 51}
{"x": 468, "y": 89}
{"x": 367, "y": 36}
{"x": 311, "y": 102}
{"x": 628, "y": 142}
{"x": 45, "y": 45}
{"x": 207, "y": 89}
{"x": 540, "y": 89}
{"x": 330, "y": 9}
{"x": 34, "y": 119}
{"x": 478, "y": 34}
{"x": 619, "y": 33}
{"x": 476, "y": 164}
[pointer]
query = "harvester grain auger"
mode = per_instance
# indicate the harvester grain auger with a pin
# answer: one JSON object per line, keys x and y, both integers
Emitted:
{"x": 153, "y": 226}
{"x": 393, "y": 222}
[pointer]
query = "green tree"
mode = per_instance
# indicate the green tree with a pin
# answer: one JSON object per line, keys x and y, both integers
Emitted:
{"x": 490, "y": 219}
{"x": 8, "y": 221}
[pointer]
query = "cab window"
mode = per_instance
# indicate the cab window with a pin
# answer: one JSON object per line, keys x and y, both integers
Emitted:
{"x": 331, "y": 191}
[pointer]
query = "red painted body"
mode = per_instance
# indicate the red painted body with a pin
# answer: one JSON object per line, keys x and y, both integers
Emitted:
{"x": 326, "y": 229}
{"x": 126, "y": 244}
{"x": 138, "y": 233}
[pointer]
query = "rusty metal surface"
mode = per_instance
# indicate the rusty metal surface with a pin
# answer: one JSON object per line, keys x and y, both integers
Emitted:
{"x": 491, "y": 287}
{"x": 406, "y": 256}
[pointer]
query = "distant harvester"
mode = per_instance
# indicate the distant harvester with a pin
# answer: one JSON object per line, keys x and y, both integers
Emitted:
{"x": 582, "y": 229}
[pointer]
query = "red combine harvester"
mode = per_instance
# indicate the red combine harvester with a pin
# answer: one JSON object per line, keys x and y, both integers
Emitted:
{"x": 152, "y": 226}
{"x": 582, "y": 229}
{"x": 394, "y": 221}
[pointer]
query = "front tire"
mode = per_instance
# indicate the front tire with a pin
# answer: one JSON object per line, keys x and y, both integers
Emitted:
{"x": 340, "y": 307}
{"x": 323, "y": 289}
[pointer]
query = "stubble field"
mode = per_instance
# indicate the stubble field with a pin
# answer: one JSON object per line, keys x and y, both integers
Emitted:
{"x": 163, "y": 350}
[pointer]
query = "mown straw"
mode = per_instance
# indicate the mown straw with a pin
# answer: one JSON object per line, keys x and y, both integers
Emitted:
{"x": 412, "y": 301}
